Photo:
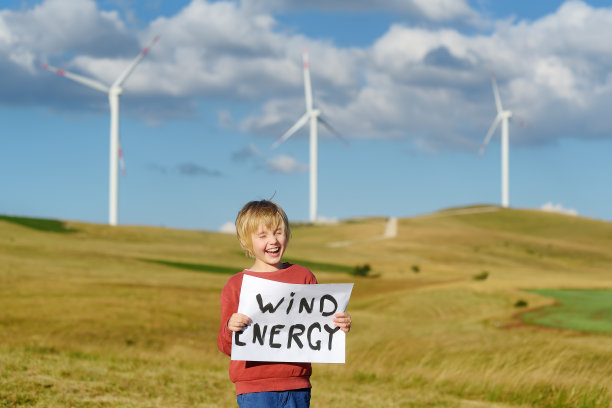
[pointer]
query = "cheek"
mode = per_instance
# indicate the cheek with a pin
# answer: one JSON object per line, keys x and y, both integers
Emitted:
{"x": 256, "y": 244}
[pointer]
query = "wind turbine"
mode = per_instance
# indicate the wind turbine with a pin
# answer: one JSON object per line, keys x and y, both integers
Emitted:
{"x": 503, "y": 117}
{"x": 113, "y": 92}
{"x": 311, "y": 116}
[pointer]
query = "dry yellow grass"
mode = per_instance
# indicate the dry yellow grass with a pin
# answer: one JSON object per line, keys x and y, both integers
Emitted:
{"x": 88, "y": 320}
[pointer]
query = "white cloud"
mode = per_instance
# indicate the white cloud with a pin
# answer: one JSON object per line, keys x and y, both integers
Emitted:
{"x": 558, "y": 208}
{"x": 24, "y": 59}
{"x": 278, "y": 164}
{"x": 228, "y": 228}
{"x": 444, "y": 10}
{"x": 432, "y": 85}
{"x": 285, "y": 164}
{"x": 428, "y": 10}
{"x": 55, "y": 26}
{"x": 429, "y": 85}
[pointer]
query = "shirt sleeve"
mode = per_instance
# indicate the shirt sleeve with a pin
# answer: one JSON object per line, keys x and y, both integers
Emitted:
{"x": 313, "y": 279}
{"x": 229, "y": 305}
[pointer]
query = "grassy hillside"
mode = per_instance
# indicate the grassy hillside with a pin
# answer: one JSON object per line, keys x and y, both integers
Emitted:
{"x": 98, "y": 316}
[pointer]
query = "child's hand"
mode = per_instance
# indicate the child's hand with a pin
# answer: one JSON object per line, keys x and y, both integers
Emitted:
{"x": 343, "y": 321}
{"x": 238, "y": 321}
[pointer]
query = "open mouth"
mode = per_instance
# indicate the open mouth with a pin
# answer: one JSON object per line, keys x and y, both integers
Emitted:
{"x": 273, "y": 251}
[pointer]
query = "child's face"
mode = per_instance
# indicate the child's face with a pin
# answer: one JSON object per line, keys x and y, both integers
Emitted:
{"x": 268, "y": 247}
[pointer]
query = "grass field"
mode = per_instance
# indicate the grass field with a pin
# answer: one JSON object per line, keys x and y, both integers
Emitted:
{"x": 96, "y": 316}
{"x": 585, "y": 310}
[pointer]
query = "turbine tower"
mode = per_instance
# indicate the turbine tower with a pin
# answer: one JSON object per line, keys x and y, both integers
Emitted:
{"x": 113, "y": 99}
{"x": 503, "y": 117}
{"x": 311, "y": 116}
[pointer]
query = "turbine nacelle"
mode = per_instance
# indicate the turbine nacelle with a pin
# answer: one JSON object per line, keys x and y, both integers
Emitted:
{"x": 314, "y": 113}
{"x": 115, "y": 90}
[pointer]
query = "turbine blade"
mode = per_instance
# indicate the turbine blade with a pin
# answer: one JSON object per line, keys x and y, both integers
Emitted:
{"x": 296, "y": 126}
{"x": 520, "y": 122}
{"x": 92, "y": 83}
{"x": 494, "y": 125}
{"x": 307, "y": 85}
{"x": 121, "y": 79}
{"x": 498, "y": 103}
{"x": 329, "y": 127}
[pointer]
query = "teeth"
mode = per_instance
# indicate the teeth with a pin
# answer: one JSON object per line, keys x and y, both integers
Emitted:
{"x": 273, "y": 250}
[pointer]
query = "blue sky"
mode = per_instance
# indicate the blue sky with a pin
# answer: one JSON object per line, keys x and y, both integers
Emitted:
{"x": 406, "y": 83}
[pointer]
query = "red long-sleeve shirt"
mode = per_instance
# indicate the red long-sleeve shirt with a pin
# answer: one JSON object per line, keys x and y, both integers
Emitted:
{"x": 254, "y": 376}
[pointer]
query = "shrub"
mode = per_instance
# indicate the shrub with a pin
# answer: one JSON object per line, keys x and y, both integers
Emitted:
{"x": 415, "y": 268}
{"x": 521, "y": 303}
{"x": 481, "y": 276}
{"x": 362, "y": 270}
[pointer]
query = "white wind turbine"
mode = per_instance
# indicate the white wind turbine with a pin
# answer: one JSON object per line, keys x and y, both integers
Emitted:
{"x": 113, "y": 98}
{"x": 503, "y": 116}
{"x": 313, "y": 116}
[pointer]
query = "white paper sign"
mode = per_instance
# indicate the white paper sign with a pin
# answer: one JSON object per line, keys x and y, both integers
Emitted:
{"x": 291, "y": 322}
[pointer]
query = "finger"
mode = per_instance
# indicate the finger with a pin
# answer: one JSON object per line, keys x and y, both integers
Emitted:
{"x": 238, "y": 321}
{"x": 345, "y": 328}
{"x": 241, "y": 317}
{"x": 343, "y": 324}
{"x": 343, "y": 321}
{"x": 243, "y": 321}
{"x": 236, "y": 327}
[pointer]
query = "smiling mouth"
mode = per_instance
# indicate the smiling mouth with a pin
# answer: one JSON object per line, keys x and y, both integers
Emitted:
{"x": 273, "y": 251}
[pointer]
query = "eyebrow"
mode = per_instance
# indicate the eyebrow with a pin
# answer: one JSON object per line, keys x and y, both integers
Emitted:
{"x": 279, "y": 227}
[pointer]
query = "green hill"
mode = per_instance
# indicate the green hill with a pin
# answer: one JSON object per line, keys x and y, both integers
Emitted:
{"x": 99, "y": 316}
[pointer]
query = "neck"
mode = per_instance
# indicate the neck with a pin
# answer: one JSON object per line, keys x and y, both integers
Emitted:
{"x": 264, "y": 267}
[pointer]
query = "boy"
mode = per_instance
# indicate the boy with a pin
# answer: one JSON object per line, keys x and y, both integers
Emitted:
{"x": 263, "y": 232}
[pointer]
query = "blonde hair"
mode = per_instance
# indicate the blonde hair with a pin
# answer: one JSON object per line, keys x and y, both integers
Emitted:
{"x": 256, "y": 213}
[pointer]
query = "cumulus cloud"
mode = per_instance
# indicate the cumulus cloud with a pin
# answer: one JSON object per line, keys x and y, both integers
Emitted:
{"x": 228, "y": 228}
{"x": 285, "y": 164}
{"x": 427, "y": 10}
{"x": 558, "y": 208}
{"x": 278, "y": 164}
{"x": 35, "y": 31}
{"x": 427, "y": 83}
{"x": 432, "y": 85}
